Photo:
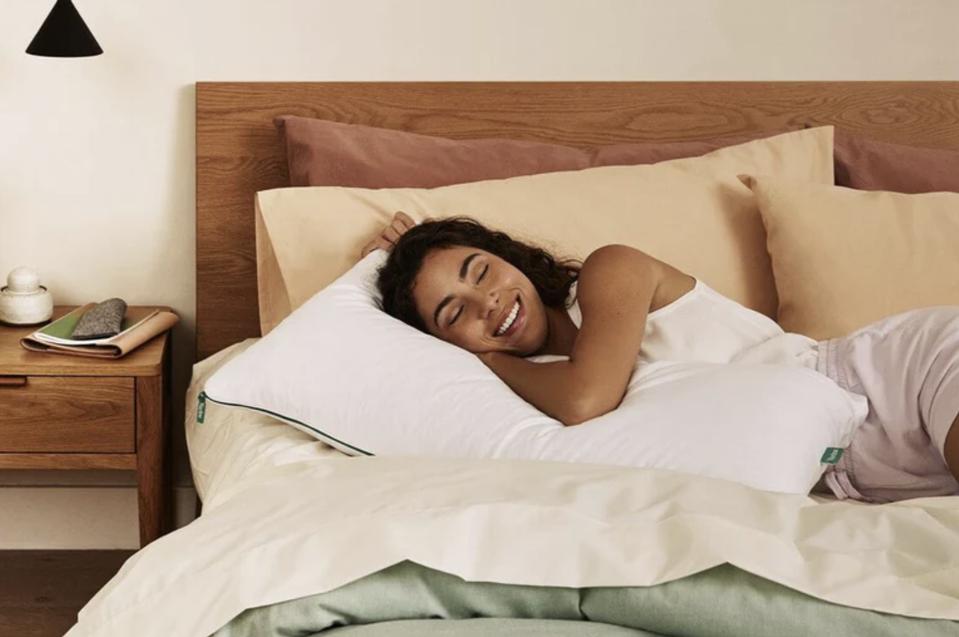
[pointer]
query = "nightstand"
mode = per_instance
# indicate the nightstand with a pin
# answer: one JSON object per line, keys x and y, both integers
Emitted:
{"x": 75, "y": 412}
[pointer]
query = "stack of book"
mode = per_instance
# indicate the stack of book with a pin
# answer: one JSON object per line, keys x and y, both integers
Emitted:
{"x": 139, "y": 325}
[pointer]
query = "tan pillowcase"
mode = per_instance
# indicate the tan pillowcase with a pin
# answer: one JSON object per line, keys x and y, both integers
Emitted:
{"x": 692, "y": 213}
{"x": 845, "y": 258}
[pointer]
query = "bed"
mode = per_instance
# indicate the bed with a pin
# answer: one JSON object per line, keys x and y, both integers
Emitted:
{"x": 297, "y": 538}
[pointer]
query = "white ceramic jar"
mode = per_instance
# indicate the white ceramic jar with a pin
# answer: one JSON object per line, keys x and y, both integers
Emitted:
{"x": 23, "y": 301}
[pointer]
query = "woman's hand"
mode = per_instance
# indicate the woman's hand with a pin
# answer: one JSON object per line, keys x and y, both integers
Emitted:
{"x": 488, "y": 358}
{"x": 391, "y": 234}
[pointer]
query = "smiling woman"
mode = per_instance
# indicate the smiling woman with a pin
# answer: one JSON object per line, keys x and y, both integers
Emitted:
{"x": 503, "y": 300}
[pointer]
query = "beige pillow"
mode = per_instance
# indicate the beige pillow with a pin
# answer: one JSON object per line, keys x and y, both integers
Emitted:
{"x": 692, "y": 213}
{"x": 845, "y": 258}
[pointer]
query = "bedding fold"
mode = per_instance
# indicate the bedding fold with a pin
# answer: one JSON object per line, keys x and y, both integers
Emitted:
{"x": 286, "y": 532}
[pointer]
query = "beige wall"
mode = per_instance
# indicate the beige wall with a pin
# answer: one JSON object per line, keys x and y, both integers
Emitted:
{"x": 96, "y": 155}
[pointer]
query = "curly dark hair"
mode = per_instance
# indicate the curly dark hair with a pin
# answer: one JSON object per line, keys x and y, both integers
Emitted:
{"x": 551, "y": 276}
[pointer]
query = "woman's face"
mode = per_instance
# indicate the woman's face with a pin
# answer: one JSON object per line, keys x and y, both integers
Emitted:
{"x": 479, "y": 302}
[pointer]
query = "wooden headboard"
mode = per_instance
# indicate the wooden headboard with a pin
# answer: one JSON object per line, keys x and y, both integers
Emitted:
{"x": 238, "y": 151}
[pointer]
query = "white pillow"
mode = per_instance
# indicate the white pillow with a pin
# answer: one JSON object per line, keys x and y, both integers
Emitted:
{"x": 344, "y": 371}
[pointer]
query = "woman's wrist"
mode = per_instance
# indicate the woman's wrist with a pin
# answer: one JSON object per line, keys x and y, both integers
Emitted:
{"x": 488, "y": 357}
{"x": 503, "y": 363}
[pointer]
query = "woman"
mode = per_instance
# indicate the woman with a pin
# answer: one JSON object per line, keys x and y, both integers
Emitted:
{"x": 505, "y": 300}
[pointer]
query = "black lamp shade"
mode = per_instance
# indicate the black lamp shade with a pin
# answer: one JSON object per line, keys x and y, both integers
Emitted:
{"x": 64, "y": 34}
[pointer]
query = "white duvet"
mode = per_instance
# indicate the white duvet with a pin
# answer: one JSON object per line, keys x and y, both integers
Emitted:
{"x": 286, "y": 517}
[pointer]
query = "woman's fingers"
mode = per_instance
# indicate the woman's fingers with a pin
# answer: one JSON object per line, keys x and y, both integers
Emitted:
{"x": 404, "y": 219}
{"x": 401, "y": 223}
{"x": 398, "y": 226}
{"x": 379, "y": 242}
{"x": 392, "y": 235}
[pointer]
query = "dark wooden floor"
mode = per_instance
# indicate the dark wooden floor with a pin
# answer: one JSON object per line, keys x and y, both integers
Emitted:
{"x": 41, "y": 591}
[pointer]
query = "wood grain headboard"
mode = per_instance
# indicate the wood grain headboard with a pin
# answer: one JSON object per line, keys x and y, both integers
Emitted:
{"x": 238, "y": 151}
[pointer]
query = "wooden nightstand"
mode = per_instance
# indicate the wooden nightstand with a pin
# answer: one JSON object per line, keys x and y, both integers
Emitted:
{"x": 74, "y": 412}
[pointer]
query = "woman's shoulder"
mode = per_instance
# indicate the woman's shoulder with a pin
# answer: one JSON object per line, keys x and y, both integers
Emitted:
{"x": 669, "y": 282}
{"x": 617, "y": 252}
{"x": 619, "y": 260}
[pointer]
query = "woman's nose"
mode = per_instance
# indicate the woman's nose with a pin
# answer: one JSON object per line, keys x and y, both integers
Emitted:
{"x": 492, "y": 302}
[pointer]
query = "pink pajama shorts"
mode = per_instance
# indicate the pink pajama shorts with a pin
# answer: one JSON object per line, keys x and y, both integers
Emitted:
{"x": 907, "y": 366}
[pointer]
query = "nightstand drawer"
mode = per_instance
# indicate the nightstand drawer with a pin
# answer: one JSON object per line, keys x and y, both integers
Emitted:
{"x": 67, "y": 414}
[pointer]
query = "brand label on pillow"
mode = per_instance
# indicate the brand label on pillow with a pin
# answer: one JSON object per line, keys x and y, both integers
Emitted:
{"x": 830, "y": 456}
{"x": 201, "y": 407}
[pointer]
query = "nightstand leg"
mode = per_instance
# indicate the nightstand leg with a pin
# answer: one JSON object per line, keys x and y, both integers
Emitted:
{"x": 151, "y": 458}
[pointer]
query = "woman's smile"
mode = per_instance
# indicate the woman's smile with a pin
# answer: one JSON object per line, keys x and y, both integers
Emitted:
{"x": 513, "y": 321}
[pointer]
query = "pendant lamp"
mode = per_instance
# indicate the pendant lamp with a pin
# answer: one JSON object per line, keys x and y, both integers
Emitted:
{"x": 64, "y": 34}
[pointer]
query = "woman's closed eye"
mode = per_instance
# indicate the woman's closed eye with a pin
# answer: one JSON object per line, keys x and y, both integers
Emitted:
{"x": 455, "y": 316}
{"x": 459, "y": 310}
{"x": 479, "y": 279}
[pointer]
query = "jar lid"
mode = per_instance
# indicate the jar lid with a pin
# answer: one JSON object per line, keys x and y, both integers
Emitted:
{"x": 22, "y": 281}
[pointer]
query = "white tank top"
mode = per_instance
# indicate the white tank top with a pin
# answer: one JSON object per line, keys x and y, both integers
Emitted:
{"x": 703, "y": 325}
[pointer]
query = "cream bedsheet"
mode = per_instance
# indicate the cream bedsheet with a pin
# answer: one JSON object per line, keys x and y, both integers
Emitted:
{"x": 286, "y": 518}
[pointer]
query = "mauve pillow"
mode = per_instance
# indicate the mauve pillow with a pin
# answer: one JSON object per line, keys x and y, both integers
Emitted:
{"x": 867, "y": 164}
{"x": 325, "y": 153}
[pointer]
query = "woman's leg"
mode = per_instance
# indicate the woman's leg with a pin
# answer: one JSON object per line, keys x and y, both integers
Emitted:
{"x": 951, "y": 449}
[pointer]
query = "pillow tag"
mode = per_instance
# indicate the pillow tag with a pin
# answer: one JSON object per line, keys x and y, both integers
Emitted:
{"x": 830, "y": 456}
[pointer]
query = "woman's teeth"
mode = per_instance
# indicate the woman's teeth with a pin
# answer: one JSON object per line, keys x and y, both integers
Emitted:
{"x": 508, "y": 321}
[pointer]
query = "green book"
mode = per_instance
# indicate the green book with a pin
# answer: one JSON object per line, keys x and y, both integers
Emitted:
{"x": 63, "y": 327}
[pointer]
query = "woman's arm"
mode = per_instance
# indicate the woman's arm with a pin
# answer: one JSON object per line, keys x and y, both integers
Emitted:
{"x": 615, "y": 291}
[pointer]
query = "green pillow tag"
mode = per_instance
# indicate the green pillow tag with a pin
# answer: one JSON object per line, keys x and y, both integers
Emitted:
{"x": 830, "y": 456}
{"x": 201, "y": 407}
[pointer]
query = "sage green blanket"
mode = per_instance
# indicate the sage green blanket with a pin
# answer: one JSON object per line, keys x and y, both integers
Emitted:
{"x": 487, "y": 627}
{"x": 408, "y": 600}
